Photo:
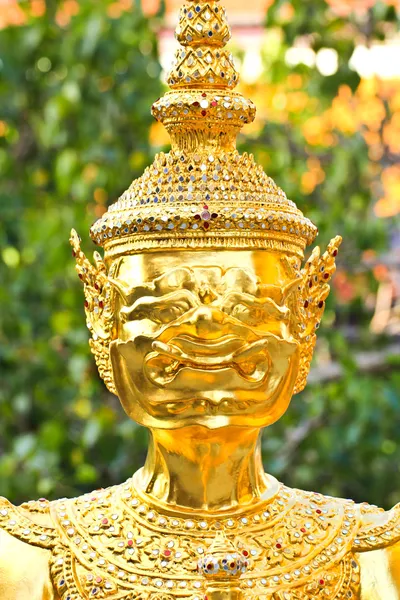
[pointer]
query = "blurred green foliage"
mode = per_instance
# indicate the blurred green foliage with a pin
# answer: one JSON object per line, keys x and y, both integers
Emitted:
{"x": 75, "y": 101}
{"x": 341, "y": 438}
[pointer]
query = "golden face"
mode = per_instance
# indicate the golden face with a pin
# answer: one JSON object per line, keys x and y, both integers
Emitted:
{"x": 212, "y": 338}
{"x": 204, "y": 338}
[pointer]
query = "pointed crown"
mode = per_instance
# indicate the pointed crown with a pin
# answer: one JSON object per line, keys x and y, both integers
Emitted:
{"x": 203, "y": 194}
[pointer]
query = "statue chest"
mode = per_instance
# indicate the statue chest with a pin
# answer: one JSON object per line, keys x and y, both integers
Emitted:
{"x": 118, "y": 546}
{"x": 113, "y": 544}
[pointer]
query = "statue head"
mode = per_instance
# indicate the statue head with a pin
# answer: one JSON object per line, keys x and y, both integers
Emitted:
{"x": 200, "y": 311}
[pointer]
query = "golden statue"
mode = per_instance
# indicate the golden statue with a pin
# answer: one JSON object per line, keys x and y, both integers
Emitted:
{"x": 203, "y": 323}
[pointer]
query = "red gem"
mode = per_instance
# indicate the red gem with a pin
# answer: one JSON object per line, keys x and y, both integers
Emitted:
{"x": 326, "y": 275}
{"x": 210, "y": 566}
{"x": 96, "y": 286}
{"x": 203, "y": 112}
{"x": 101, "y": 304}
{"x": 321, "y": 582}
{"x": 319, "y": 512}
{"x": 42, "y": 499}
{"x": 204, "y": 95}
{"x": 196, "y": 104}
{"x": 167, "y": 552}
{"x": 245, "y": 553}
{"x": 197, "y": 217}
{"x": 206, "y": 225}
{"x": 130, "y": 542}
{"x": 310, "y": 284}
{"x": 205, "y": 206}
{"x": 334, "y": 253}
{"x": 86, "y": 304}
{"x": 279, "y": 546}
{"x": 104, "y": 521}
{"x": 306, "y": 304}
{"x": 214, "y": 215}
{"x": 232, "y": 565}
{"x": 303, "y": 530}
{"x": 214, "y": 103}
{"x": 320, "y": 304}
{"x": 80, "y": 276}
{"x": 73, "y": 253}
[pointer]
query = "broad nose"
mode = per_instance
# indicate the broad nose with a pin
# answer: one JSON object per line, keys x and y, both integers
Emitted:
{"x": 208, "y": 322}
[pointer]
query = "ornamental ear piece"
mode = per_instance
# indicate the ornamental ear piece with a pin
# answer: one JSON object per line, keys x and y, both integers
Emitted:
{"x": 313, "y": 291}
{"x": 98, "y": 307}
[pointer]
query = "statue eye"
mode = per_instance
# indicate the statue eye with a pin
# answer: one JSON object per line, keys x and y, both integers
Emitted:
{"x": 249, "y": 315}
{"x": 167, "y": 313}
{"x": 240, "y": 311}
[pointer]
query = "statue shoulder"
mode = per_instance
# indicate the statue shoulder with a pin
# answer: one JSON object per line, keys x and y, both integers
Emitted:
{"x": 367, "y": 526}
{"x": 30, "y": 522}
{"x": 24, "y": 553}
{"x": 378, "y": 528}
{"x": 377, "y": 548}
{"x": 46, "y": 525}
{"x": 35, "y": 538}
{"x": 365, "y": 536}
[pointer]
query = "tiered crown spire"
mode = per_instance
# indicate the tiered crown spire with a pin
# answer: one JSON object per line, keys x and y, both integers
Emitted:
{"x": 203, "y": 32}
{"x": 203, "y": 194}
{"x": 215, "y": 116}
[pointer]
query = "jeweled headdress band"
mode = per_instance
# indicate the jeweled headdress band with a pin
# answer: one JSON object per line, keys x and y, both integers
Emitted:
{"x": 203, "y": 194}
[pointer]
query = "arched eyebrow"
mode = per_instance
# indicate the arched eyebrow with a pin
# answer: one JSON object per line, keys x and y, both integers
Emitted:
{"x": 248, "y": 281}
{"x": 179, "y": 278}
{"x": 270, "y": 299}
{"x": 251, "y": 284}
{"x": 143, "y": 306}
{"x": 267, "y": 305}
{"x": 278, "y": 293}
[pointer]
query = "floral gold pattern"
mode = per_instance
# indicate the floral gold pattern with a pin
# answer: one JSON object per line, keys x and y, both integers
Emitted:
{"x": 114, "y": 544}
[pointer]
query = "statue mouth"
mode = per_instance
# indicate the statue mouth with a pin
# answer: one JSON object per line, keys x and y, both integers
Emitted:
{"x": 231, "y": 372}
{"x": 249, "y": 360}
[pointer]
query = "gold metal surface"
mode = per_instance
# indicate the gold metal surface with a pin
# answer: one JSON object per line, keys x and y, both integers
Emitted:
{"x": 380, "y": 574}
{"x": 203, "y": 322}
{"x": 203, "y": 194}
{"x": 124, "y": 543}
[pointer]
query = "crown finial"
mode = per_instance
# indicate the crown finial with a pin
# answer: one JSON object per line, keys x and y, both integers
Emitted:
{"x": 203, "y": 193}
{"x": 202, "y": 112}
{"x": 202, "y": 61}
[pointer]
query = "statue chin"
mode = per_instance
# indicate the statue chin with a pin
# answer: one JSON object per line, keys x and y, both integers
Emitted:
{"x": 242, "y": 388}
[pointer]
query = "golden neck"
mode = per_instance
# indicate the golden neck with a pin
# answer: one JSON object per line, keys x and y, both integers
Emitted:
{"x": 199, "y": 469}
